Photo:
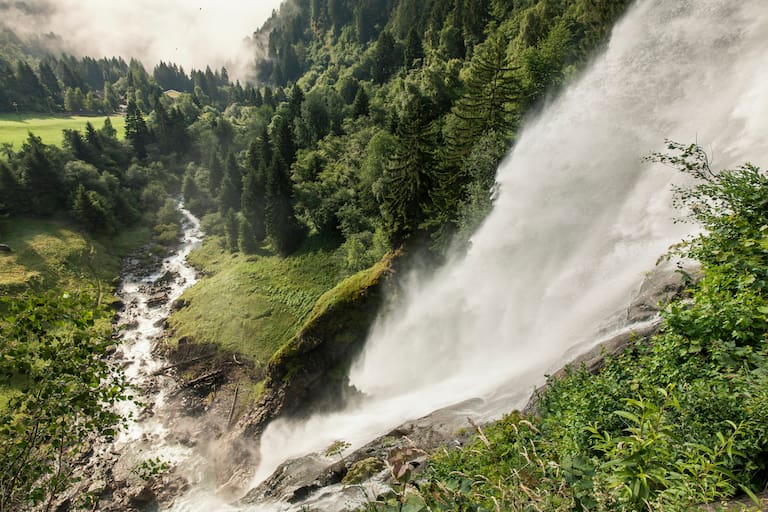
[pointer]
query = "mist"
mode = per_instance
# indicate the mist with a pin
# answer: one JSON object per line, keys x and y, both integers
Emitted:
{"x": 193, "y": 34}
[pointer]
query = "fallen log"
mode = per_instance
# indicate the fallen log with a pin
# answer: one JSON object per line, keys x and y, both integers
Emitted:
{"x": 192, "y": 383}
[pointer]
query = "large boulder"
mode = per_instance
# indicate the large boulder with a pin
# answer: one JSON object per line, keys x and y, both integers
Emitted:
{"x": 664, "y": 283}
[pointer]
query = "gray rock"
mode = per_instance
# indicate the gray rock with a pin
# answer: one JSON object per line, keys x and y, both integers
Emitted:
{"x": 664, "y": 283}
{"x": 145, "y": 496}
{"x": 97, "y": 487}
{"x": 403, "y": 449}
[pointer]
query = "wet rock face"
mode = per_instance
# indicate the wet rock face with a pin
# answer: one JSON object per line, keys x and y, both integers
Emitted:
{"x": 665, "y": 283}
{"x": 660, "y": 286}
{"x": 400, "y": 451}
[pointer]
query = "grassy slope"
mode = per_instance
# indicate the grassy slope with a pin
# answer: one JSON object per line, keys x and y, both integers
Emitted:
{"x": 49, "y": 253}
{"x": 253, "y": 305}
{"x": 15, "y": 128}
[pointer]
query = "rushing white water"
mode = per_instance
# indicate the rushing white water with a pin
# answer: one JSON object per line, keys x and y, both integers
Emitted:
{"x": 143, "y": 326}
{"x": 579, "y": 219}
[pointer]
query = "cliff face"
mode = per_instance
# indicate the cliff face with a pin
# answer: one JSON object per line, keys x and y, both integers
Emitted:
{"x": 305, "y": 370}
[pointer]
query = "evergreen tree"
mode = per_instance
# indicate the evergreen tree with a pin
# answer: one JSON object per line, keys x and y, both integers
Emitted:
{"x": 216, "y": 170}
{"x": 228, "y": 198}
{"x": 111, "y": 99}
{"x": 74, "y": 101}
{"x": 11, "y": 198}
{"x": 269, "y": 99}
{"x": 296, "y": 100}
{"x": 92, "y": 136}
{"x": 34, "y": 95}
{"x": 280, "y": 220}
{"x": 40, "y": 176}
{"x": 231, "y": 230}
{"x": 361, "y": 106}
{"x": 492, "y": 92}
{"x": 108, "y": 130}
{"x": 136, "y": 130}
{"x": 51, "y": 83}
{"x": 246, "y": 235}
{"x": 411, "y": 173}
{"x": 386, "y": 57}
{"x": 252, "y": 203}
{"x": 70, "y": 78}
{"x": 281, "y": 134}
{"x": 73, "y": 141}
{"x": 92, "y": 210}
{"x": 253, "y": 199}
{"x": 92, "y": 103}
{"x": 414, "y": 49}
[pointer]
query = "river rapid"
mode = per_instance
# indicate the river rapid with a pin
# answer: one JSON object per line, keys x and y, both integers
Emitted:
{"x": 131, "y": 473}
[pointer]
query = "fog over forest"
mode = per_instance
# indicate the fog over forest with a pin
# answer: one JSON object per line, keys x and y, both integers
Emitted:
{"x": 191, "y": 34}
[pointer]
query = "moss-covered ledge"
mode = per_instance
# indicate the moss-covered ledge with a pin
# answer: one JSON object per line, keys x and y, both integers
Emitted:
{"x": 303, "y": 370}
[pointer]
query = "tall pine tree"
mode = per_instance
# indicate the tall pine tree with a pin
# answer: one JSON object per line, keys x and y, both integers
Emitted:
{"x": 136, "y": 130}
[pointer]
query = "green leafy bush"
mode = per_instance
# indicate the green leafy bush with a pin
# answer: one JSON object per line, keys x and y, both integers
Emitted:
{"x": 51, "y": 354}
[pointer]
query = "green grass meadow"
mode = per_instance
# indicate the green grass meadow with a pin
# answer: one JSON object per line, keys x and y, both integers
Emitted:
{"x": 50, "y": 253}
{"x": 15, "y": 128}
{"x": 253, "y": 305}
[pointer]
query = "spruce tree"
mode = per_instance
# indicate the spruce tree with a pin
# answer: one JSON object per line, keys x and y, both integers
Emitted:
{"x": 136, "y": 130}
{"x": 230, "y": 189}
{"x": 385, "y": 57}
{"x": 40, "y": 176}
{"x": 361, "y": 106}
{"x": 411, "y": 173}
{"x": 231, "y": 230}
{"x": 492, "y": 91}
{"x": 246, "y": 236}
{"x": 253, "y": 196}
{"x": 10, "y": 192}
{"x": 280, "y": 220}
{"x": 414, "y": 49}
{"x": 51, "y": 83}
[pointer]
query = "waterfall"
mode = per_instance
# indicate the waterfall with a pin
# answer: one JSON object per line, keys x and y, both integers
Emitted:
{"x": 579, "y": 218}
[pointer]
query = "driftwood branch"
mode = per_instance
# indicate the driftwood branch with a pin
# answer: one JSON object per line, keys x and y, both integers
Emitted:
{"x": 232, "y": 410}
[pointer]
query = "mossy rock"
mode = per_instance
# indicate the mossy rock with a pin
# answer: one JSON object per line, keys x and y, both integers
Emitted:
{"x": 302, "y": 371}
{"x": 340, "y": 319}
{"x": 363, "y": 470}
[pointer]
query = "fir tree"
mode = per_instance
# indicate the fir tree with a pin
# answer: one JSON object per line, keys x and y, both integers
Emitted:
{"x": 414, "y": 49}
{"x": 231, "y": 230}
{"x": 280, "y": 220}
{"x": 410, "y": 174}
{"x": 361, "y": 105}
{"x": 492, "y": 90}
{"x": 136, "y": 130}
{"x": 246, "y": 235}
